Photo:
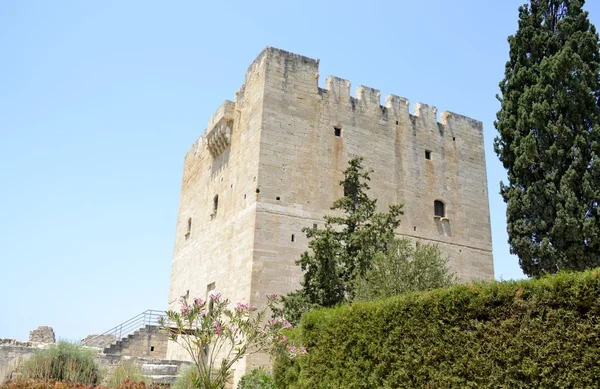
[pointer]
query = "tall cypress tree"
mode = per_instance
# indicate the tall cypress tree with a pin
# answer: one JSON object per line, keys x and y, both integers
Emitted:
{"x": 549, "y": 132}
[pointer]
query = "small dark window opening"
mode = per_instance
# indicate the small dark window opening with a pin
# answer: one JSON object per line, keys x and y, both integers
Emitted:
{"x": 293, "y": 238}
{"x": 427, "y": 154}
{"x": 439, "y": 208}
{"x": 337, "y": 131}
{"x": 216, "y": 203}
{"x": 257, "y": 190}
{"x": 454, "y": 138}
{"x": 278, "y": 198}
{"x": 244, "y": 196}
{"x": 151, "y": 348}
{"x": 314, "y": 225}
{"x": 414, "y": 228}
{"x": 189, "y": 229}
{"x": 396, "y": 122}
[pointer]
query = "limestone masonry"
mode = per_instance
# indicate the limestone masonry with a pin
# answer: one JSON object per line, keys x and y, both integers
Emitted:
{"x": 270, "y": 163}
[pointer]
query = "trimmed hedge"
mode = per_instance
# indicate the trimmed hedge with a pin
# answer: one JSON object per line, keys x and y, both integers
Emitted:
{"x": 519, "y": 334}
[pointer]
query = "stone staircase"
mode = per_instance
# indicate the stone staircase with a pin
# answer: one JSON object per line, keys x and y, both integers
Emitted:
{"x": 159, "y": 371}
{"x": 147, "y": 342}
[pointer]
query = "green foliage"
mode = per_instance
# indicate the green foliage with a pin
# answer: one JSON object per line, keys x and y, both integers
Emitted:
{"x": 126, "y": 371}
{"x": 63, "y": 362}
{"x": 187, "y": 378}
{"x": 42, "y": 384}
{"x": 549, "y": 133}
{"x": 528, "y": 334}
{"x": 216, "y": 335}
{"x": 257, "y": 379}
{"x": 404, "y": 268}
{"x": 344, "y": 248}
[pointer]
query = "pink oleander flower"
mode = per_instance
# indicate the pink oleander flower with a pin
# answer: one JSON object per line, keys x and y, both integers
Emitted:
{"x": 293, "y": 351}
{"x": 215, "y": 297}
{"x": 283, "y": 339}
{"x": 287, "y": 325}
{"x": 203, "y": 313}
{"x": 272, "y": 296}
{"x": 218, "y": 329}
{"x": 198, "y": 301}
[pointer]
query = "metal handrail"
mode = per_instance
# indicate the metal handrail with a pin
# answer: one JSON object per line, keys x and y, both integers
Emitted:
{"x": 148, "y": 317}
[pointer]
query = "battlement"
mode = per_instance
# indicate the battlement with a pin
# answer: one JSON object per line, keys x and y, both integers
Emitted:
{"x": 296, "y": 70}
{"x": 338, "y": 90}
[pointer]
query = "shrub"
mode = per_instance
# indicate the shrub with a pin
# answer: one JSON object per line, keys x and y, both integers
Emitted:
{"x": 126, "y": 371}
{"x": 216, "y": 335}
{"x": 187, "y": 378}
{"x": 41, "y": 384}
{"x": 533, "y": 333}
{"x": 257, "y": 379}
{"x": 63, "y": 362}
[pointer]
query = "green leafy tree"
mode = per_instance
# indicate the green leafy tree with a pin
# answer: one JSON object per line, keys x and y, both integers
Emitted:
{"x": 403, "y": 268}
{"x": 549, "y": 130}
{"x": 344, "y": 248}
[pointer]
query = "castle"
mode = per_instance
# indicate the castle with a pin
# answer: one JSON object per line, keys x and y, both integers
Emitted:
{"x": 270, "y": 163}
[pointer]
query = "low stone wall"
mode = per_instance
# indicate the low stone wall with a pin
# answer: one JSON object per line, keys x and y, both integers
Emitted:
{"x": 158, "y": 370}
{"x": 14, "y": 353}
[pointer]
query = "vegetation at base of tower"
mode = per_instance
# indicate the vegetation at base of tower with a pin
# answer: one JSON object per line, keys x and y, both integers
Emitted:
{"x": 404, "y": 267}
{"x": 537, "y": 333}
{"x": 64, "y": 362}
{"x": 186, "y": 378}
{"x": 216, "y": 336}
{"x": 41, "y": 384}
{"x": 257, "y": 379}
{"x": 549, "y": 138}
{"x": 342, "y": 250}
{"x": 126, "y": 371}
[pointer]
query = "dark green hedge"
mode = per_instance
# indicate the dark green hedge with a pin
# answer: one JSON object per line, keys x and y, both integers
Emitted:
{"x": 528, "y": 334}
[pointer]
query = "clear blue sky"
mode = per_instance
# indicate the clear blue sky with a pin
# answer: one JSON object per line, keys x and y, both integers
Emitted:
{"x": 99, "y": 101}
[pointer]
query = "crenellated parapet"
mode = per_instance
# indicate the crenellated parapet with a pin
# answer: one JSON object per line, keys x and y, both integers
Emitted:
{"x": 368, "y": 101}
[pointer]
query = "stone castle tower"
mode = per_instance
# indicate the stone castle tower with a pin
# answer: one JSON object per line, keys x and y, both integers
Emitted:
{"x": 269, "y": 164}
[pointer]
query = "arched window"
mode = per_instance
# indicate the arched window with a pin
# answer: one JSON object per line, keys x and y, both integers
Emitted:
{"x": 439, "y": 209}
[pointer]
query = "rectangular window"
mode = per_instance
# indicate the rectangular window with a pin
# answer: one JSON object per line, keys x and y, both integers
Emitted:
{"x": 427, "y": 154}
